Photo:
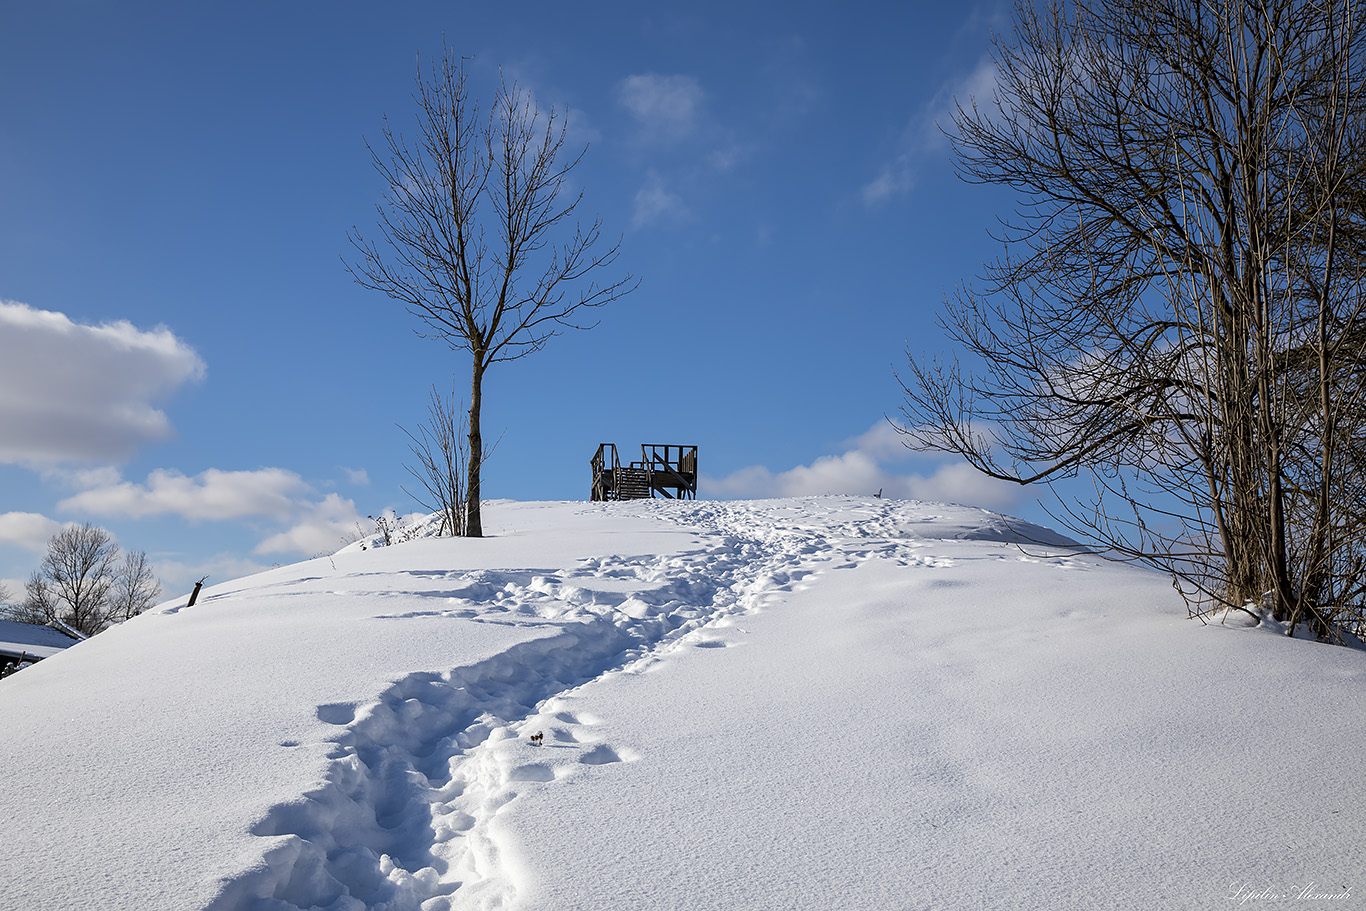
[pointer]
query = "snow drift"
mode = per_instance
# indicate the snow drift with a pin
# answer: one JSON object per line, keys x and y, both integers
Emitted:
{"x": 827, "y": 703}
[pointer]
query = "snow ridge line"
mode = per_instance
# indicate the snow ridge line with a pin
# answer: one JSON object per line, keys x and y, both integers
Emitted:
{"x": 403, "y": 821}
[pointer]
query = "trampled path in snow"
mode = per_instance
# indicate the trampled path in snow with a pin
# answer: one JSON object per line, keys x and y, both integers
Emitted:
{"x": 417, "y": 777}
{"x": 817, "y": 704}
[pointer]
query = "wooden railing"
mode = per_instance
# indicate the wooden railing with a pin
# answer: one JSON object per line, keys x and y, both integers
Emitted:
{"x": 673, "y": 469}
{"x": 606, "y": 467}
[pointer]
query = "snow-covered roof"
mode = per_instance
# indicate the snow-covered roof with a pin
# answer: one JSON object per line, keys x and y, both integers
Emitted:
{"x": 32, "y": 639}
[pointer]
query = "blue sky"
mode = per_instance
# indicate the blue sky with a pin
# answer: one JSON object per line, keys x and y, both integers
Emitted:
{"x": 187, "y": 363}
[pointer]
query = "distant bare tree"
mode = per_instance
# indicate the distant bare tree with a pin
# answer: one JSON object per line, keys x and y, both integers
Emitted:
{"x": 135, "y": 587}
{"x": 38, "y": 604}
{"x": 78, "y": 573}
{"x": 83, "y": 582}
{"x": 1179, "y": 313}
{"x": 9, "y": 608}
{"x": 481, "y": 239}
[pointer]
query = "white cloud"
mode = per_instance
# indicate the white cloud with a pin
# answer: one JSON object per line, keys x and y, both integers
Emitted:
{"x": 923, "y": 136}
{"x": 977, "y": 87}
{"x": 29, "y": 530}
{"x": 78, "y": 393}
{"x": 270, "y": 497}
{"x": 83, "y": 478}
{"x": 654, "y": 202}
{"x": 666, "y": 107}
{"x": 212, "y": 494}
{"x": 865, "y": 468}
{"x": 178, "y": 577}
{"x": 895, "y": 178}
{"x": 358, "y": 476}
{"x": 883, "y": 441}
{"x": 323, "y": 528}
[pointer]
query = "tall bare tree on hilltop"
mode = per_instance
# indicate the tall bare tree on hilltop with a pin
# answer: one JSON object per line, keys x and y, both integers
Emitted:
{"x": 481, "y": 240}
{"x": 1179, "y": 311}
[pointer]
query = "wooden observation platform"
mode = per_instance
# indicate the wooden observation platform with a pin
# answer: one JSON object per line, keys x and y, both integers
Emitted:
{"x": 666, "y": 471}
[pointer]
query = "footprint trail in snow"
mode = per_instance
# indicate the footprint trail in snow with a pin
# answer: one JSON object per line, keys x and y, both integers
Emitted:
{"x": 404, "y": 821}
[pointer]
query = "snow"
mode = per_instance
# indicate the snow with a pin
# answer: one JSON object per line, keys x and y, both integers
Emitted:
{"x": 824, "y": 703}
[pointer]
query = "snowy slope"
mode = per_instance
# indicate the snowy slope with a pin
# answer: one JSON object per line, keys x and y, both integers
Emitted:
{"x": 829, "y": 703}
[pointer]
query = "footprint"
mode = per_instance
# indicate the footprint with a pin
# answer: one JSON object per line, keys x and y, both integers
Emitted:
{"x": 337, "y": 712}
{"x": 579, "y": 718}
{"x": 459, "y": 822}
{"x": 536, "y": 771}
{"x": 600, "y": 755}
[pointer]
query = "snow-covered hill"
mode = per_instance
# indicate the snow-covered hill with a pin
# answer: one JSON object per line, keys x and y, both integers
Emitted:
{"x": 829, "y": 703}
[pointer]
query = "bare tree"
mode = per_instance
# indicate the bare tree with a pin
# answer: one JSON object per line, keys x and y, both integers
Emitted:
{"x": 79, "y": 573}
{"x": 440, "y": 448}
{"x": 135, "y": 588}
{"x": 480, "y": 236}
{"x": 38, "y": 604}
{"x": 1178, "y": 313}
{"x": 83, "y": 582}
{"x": 22, "y": 609}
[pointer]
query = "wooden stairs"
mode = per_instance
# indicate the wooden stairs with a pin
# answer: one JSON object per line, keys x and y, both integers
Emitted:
{"x": 633, "y": 483}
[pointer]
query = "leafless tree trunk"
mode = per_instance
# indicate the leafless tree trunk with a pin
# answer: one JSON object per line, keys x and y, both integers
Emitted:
{"x": 480, "y": 236}
{"x": 1177, "y": 315}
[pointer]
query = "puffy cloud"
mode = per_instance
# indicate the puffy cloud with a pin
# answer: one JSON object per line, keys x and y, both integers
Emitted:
{"x": 212, "y": 494}
{"x": 275, "y": 496}
{"x": 29, "y": 530}
{"x": 71, "y": 392}
{"x": 324, "y": 527}
{"x": 865, "y": 468}
{"x": 666, "y": 107}
{"x": 883, "y": 441}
